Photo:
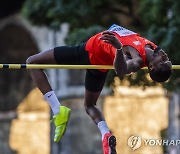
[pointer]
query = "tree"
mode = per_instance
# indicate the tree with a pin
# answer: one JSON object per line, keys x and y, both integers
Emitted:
{"x": 78, "y": 13}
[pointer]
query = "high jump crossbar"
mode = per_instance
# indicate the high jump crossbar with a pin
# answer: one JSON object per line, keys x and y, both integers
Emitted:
{"x": 52, "y": 66}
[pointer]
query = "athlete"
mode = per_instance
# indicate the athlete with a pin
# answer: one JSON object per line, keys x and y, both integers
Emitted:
{"x": 117, "y": 46}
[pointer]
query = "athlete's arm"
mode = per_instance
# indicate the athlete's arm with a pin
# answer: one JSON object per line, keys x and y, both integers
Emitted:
{"x": 119, "y": 62}
{"x": 121, "y": 65}
{"x": 135, "y": 62}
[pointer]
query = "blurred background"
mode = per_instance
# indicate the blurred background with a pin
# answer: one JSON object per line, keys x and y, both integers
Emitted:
{"x": 133, "y": 106}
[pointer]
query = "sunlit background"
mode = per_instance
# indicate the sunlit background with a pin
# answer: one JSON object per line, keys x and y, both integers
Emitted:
{"x": 134, "y": 106}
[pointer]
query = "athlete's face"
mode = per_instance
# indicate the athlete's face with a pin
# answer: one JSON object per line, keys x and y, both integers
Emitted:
{"x": 159, "y": 60}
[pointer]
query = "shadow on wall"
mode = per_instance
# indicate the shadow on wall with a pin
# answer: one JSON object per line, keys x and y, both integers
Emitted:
{"x": 16, "y": 44}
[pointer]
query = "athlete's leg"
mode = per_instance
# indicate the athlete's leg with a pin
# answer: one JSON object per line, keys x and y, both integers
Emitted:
{"x": 60, "y": 55}
{"x": 38, "y": 75}
{"x": 41, "y": 80}
{"x": 90, "y": 106}
{"x": 94, "y": 83}
{"x": 61, "y": 113}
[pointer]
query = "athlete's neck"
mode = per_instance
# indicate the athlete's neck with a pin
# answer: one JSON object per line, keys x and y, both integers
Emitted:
{"x": 149, "y": 54}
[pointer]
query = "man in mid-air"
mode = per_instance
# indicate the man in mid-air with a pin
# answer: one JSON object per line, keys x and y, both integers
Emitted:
{"x": 117, "y": 46}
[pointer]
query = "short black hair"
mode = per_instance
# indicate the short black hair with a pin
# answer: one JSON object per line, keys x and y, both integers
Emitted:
{"x": 161, "y": 74}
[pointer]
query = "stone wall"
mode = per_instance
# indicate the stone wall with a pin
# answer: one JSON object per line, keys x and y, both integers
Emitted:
{"x": 29, "y": 132}
{"x": 16, "y": 44}
{"x": 134, "y": 111}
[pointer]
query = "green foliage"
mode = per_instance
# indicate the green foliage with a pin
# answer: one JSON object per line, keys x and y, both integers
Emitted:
{"x": 79, "y": 13}
{"x": 83, "y": 34}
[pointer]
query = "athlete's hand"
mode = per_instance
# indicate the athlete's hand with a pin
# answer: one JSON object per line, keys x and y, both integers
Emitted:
{"x": 110, "y": 38}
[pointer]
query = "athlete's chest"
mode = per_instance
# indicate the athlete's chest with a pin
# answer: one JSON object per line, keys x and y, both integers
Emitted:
{"x": 130, "y": 52}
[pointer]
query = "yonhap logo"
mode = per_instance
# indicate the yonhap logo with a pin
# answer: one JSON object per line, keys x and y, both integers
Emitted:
{"x": 134, "y": 142}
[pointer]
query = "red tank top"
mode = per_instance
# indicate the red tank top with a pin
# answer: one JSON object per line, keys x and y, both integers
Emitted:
{"x": 101, "y": 53}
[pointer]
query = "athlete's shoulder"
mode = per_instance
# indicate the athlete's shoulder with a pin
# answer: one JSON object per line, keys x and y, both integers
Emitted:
{"x": 153, "y": 45}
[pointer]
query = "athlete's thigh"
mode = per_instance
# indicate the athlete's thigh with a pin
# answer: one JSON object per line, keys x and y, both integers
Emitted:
{"x": 45, "y": 57}
{"x": 94, "y": 83}
{"x": 95, "y": 80}
{"x": 73, "y": 55}
{"x": 91, "y": 98}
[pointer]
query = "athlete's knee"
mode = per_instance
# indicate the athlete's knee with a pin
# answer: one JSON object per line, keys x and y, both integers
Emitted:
{"x": 88, "y": 107}
{"x": 31, "y": 60}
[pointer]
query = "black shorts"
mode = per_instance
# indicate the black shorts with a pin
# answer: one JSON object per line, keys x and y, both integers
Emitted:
{"x": 77, "y": 55}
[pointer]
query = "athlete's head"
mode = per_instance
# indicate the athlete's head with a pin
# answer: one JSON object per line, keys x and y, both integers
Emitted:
{"x": 160, "y": 68}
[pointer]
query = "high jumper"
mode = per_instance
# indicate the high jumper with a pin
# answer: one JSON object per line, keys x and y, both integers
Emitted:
{"x": 126, "y": 50}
